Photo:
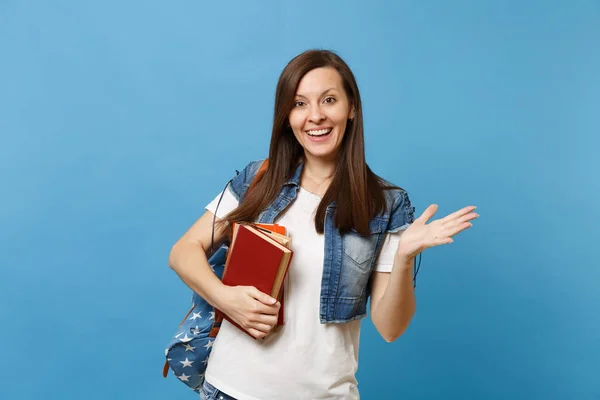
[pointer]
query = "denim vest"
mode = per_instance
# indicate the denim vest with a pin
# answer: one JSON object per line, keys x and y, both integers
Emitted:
{"x": 349, "y": 258}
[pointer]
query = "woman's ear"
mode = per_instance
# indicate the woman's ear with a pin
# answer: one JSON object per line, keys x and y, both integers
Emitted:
{"x": 351, "y": 115}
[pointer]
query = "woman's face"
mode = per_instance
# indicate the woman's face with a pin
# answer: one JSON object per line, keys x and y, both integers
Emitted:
{"x": 320, "y": 113}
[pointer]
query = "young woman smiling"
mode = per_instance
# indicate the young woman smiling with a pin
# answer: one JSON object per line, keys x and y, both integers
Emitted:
{"x": 354, "y": 237}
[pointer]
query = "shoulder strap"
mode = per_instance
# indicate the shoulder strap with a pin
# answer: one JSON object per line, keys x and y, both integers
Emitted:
{"x": 260, "y": 172}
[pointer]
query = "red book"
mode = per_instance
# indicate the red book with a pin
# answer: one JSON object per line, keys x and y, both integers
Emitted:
{"x": 278, "y": 232}
{"x": 257, "y": 257}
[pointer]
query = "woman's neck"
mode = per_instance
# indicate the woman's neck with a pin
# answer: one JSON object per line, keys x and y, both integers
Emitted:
{"x": 317, "y": 175}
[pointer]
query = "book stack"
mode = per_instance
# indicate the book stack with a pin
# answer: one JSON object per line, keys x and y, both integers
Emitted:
{"x": 259, "y": 255}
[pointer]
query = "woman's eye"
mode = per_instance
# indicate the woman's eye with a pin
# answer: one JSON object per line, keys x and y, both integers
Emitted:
{"x": 298, "y": 104}
{"x": 329, "y": 100}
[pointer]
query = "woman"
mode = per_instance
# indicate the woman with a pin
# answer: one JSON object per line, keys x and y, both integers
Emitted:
{"x": 353, "y": 236}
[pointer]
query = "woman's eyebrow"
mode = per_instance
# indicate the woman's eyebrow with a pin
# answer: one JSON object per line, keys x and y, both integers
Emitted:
{"x": 325, "y": 91}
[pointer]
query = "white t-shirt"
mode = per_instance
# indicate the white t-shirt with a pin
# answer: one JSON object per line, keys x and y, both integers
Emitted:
{"x": 303, "y": 359}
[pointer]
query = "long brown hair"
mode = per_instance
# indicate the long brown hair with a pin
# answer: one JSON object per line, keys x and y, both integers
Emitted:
{"x": 357, "y": 191}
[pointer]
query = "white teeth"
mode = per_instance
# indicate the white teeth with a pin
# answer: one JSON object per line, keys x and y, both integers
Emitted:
{"x": 319, "y": 132}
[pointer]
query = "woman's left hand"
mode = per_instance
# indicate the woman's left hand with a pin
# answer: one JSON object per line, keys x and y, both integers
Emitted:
{"x": 421, "y": 235}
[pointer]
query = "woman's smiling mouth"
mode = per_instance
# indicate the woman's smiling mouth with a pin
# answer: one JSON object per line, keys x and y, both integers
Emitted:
{"x": 319, "y": 132}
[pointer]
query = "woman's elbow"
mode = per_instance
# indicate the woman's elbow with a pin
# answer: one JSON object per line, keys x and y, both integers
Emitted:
{"x": 392, "y": 333}
{"x": 173, "y": 255}
{"x": 391, "y": 337}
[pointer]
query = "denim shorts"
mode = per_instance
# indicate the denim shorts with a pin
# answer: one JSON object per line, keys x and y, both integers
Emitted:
{"x": 209, "y": 392}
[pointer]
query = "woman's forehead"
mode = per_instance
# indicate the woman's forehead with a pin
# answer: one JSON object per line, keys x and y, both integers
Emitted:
{"x": 319, "y": 81}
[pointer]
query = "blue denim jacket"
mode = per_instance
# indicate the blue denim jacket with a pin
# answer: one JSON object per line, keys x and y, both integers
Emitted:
{"x": 349, "y": 258}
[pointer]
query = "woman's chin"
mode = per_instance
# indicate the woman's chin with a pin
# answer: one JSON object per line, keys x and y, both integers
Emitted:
{"x": 321, "y": 154}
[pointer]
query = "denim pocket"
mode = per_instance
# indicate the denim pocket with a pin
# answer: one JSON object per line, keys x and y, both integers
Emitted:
{"x": 361, "y": 249}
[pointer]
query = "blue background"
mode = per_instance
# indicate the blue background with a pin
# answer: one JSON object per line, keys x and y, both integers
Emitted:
{"x": 120, "y": 120}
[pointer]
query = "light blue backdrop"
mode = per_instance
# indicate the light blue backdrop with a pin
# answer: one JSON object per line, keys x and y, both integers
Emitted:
{"x": 120, "y": 120}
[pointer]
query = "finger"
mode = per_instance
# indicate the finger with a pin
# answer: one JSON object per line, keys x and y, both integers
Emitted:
{"x": 260, "y": 296}
{"x": 458, "y": 214}
{"x": 261, "y": 327}
{"x": 445, "y": 235}
{"x": 455, "y": 230}
{"x": 467, "y": 218}
{"x": 260, "y": 308}
{"x": 270, "y": 320}
{"x": 459, "y": 221}
{"x": 256, "y": 333}
{"x": 428, "y": 213}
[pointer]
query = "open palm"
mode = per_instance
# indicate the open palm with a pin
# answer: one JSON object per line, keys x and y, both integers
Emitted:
{"x": 421, "y": 235}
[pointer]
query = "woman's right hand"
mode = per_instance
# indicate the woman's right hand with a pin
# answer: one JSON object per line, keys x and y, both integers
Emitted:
{"x": 253, "y": 310}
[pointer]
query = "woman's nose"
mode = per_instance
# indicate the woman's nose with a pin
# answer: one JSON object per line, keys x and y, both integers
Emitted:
{"x": 316, "y": 115}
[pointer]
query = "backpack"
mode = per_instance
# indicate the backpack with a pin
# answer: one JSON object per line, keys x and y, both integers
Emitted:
{"x": 188, "y": 350}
